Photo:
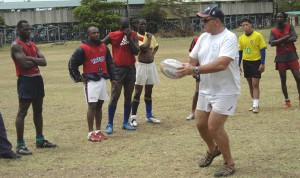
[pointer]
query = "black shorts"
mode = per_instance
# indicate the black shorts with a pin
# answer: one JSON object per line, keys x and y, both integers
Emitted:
{"x": 30, "y": 88}
{"x": 251, "y": 69}
{"x": 125, "y": 74}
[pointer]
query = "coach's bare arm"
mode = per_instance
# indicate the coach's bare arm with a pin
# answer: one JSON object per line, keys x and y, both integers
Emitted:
{"x": 26, "y": 62}
{"x": 215, "y": 66}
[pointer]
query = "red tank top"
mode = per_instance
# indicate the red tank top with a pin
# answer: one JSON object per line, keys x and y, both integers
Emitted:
{"x": 282, "y": 49}
{"x": 29, "y": 50}
{"x": 95, "y": 59}
{"x": 121, "y": 49}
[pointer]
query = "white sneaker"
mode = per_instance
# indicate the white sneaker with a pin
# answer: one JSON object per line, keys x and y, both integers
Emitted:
{"x": 153, "y": 120}
{"x": 256, "y": 109}
{"x": 133, "y": 121}
{"x": 190, "y": 116}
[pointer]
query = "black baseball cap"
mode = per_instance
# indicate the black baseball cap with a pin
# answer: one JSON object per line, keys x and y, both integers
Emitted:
{"x": 211, "y": 12}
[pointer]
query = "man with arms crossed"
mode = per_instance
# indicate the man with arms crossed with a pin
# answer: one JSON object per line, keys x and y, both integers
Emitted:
{"x": 125, "y": 45}
{"x": 146, "y": 73}
{"x": 30, "y": 86}
{"x": 252, "y": 51}
{"x": 283, "y": 37}
{"x": 217, "y": 54}
{"x": 97, "y": 67}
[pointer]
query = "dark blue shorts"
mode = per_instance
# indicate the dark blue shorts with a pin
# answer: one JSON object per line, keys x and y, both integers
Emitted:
{"x": 125, "y": 74}
{"x": 30, "y": 88}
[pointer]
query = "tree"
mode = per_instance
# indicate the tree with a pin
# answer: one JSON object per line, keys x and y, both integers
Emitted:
{"x": 2, "y": 21}
{"x": 287, "y": 5}
{"x": 98, "y": 13}
{"x": 153, "y": 14}
{"x": 181, "y": 9}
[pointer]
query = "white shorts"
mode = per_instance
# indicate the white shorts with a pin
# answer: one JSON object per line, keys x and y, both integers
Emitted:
{"x": 146, "y": 74}
{"x": 95, "y": 90}
{"x": 224, "y": 105}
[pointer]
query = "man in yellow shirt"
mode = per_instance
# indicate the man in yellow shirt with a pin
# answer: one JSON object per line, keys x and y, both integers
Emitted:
{"x": 252, "y": 51}
{"x": 146, "y": 73}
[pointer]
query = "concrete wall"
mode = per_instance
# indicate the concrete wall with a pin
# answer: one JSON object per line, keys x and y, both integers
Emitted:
{"x": 39, "y": 17}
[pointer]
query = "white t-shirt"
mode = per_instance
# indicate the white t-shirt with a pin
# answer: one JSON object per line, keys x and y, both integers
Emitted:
{"x": 209, "y": 48}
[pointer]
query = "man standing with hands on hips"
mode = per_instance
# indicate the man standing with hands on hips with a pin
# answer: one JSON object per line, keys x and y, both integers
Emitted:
{"x": 217, "y": 53}
{"x": 98, "y": 66}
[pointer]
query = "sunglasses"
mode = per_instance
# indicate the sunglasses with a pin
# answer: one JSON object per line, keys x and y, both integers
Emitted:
{"x": 207, "y": 20}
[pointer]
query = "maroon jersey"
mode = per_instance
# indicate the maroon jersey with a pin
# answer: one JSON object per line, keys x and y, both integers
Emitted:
{"x": 30, "y": 50}
{"x": 282, "y": 49}
{"x": 121, "y": 49}
{"x": 95, "y": 59}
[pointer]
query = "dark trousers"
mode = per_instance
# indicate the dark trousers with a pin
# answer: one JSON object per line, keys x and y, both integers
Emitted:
{"x": 5, "y": 145}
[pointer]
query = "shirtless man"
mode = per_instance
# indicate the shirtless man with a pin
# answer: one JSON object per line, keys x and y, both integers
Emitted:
{"x": 146, "y": 73}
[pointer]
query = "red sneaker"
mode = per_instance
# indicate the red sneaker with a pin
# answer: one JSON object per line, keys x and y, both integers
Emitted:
{"x": 287, "y": 104}
{"x": 101, "y": 135}
{"x": 93, "y": 137}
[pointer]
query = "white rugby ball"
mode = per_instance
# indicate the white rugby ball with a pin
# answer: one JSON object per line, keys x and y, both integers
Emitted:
{"x": 169, "y": 67}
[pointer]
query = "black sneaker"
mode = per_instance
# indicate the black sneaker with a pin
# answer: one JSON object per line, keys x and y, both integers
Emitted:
{"x": 45, "y": 144}
{"x": 10, "y": 155}
{"x": 23, "y": 150}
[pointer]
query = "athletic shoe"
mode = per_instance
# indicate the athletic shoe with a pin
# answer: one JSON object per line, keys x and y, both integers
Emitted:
{"x": 287, "y": 104}
{"x": 45, "y": 144}
{"x": 23, "y": 150}
{"x": 190, "y": 116}
{"x": 127, "y": 126}
{"x": 133, "y": 121}
{"x": 250, "y": 109}
{"x": 109, "y": 129}
{"x": 93, "y": 137}
{"x": 153, "y": 120}
{"x": 209, "y": 157}
{"x": 101, "y": 135}
{"x": 227, "y": 170}
{"x": 256, "y": 109}
{"x": 10, "y": 155}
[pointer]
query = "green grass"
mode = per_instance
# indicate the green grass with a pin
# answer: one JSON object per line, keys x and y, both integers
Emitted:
{"x": 263, "y": 145}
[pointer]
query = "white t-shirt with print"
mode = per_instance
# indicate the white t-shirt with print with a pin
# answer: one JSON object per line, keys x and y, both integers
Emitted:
{"x": 209, "y": 48}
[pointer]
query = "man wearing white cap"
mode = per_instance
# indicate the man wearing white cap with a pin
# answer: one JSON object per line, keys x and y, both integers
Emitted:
{"x": 217, "y": 53}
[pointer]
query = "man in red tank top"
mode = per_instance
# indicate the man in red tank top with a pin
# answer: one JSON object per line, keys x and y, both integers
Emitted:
{"x": 27, "y": 59}
{"x": 97, "y": 67}
{"x": 283, "y": 37}
{"x": 125, "y": 46}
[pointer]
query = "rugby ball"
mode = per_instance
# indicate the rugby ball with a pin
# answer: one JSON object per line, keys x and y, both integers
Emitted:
{"x": 169, "y": 67}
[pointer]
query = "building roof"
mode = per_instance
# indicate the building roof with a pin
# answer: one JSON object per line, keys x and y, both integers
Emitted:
{"x": 38, "y": 4}
{"x": 53, "y": 4}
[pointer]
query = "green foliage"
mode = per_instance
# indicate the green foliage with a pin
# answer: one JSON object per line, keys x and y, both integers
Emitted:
{"x": 178, "y": 7}
{"x": 98, "y": 13}
{"x": 2, "y": 21}
{"x": 152, "y": 12}
{"x": 287, "y": 5}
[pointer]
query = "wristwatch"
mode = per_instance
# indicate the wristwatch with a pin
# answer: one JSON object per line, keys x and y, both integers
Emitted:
{"x": 197, "y": 70}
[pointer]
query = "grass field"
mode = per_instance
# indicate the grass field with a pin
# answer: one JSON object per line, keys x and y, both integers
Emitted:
{"x": 263, "y": 145}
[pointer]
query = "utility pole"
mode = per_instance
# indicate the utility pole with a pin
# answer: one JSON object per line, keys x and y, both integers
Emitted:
{"x": 127, "y": 9}
{"x": 282, "y": 5}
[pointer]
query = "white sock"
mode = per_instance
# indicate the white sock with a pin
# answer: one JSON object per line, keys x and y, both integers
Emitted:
{"x": 255, "y": 102}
